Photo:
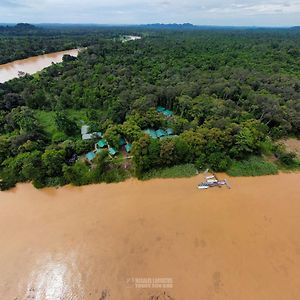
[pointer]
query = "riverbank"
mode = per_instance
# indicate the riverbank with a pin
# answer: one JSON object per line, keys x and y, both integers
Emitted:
{"x": 32, "y": 64}
{"x": 78, "y": 242}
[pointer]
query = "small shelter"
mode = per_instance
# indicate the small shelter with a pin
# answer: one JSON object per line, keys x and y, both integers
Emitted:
{"x": 151, "y": 132}
{"x": 160, "y": 109}
{"x": 128, "y": 147}
{"x": 160, "y": 133}
{"x": 87, "y": 136}
{"x": 112, "y": 151}
{"x": 122, "y": 141}
{"x": 169, "y": 131}
{"x": 90, "y": 156}
{"x": 168, "y": 113}
{"x": 101, "y": 144}
{"x": 85, "y": 129}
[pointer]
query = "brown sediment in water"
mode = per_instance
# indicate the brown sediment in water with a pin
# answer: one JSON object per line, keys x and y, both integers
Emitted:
{"x": 32, "y": 65}
{"x": 96, "y": 242}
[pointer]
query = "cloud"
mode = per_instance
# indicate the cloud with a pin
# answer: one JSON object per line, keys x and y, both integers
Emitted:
{"x": 11, "y": 3}
{"x": 219, "y": 12}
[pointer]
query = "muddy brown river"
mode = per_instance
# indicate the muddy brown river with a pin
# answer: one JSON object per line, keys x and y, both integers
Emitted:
{"x": 32, "y": 65}
{"x": 160, "y": 239}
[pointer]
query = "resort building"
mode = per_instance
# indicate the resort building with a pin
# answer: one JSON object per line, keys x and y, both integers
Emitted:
{"x": 88, "y": 136}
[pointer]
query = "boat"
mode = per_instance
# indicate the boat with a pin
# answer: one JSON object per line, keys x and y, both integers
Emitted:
{"x": 212, "y": 181}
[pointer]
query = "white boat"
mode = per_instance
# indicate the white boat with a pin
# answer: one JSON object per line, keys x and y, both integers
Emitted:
{"x": 212, "y": 181}
{"x": 202, "y": 187}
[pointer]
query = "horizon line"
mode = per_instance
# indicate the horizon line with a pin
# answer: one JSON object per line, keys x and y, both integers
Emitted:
{"x": 147, "y": 24}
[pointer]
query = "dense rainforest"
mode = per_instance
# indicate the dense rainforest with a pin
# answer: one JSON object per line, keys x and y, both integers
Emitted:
{"x": 25, "y": 40}
{"x": 230, "y": 94}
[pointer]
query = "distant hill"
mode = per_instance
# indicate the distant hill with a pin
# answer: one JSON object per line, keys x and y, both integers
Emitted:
{"x": 24, "y": 26}
{"x": 170, "y": 26}
{"x": 20, "y": 28}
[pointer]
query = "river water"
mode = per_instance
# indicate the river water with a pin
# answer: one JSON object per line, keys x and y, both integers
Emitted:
{"x": 103, "y": 241}
{"x": 32, "y": 65}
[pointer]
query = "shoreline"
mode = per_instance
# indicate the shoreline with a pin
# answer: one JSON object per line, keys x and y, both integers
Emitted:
{"x": 33, "y": 64}
{"x": 35, "y": 56}
{"x": 141, "y": 181}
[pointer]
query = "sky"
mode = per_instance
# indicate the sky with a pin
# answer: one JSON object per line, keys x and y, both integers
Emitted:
{"x": 199, "y": 12}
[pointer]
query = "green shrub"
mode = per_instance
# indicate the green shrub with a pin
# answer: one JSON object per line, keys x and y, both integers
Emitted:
{"x": 287, "y": 159}
{"x": 115, "y": 175}
{"x": 180, "y": 171}
{"x": 254, "y": 166}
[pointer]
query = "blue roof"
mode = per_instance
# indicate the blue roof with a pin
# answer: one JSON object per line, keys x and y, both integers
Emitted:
{"x": 112, "y": 151}
{"x": 90, "y": 156}
{"x": 170, "y": 131}
{"x": 160, "y": 109}
{"x": 128, "y": 147}
{"x": 168, "y": 113}
{"x": 122, "y": 141}
{"x": 160, "y": 133}
{"x": 102, "y": 143}
{"x": 151, "y": 132}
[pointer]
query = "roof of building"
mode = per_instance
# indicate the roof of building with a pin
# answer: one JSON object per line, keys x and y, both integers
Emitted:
{"x": 87, "y": 136}
{"x": 169, "y": 131}
{"x": 128, "y": 147}
{"x": 160, "y": 109}
{"x": 168, "y": 113}
{"x": 102, "y": 143}
{"x": 122, "y": 141}
{"x": 151, "y": 132}
{"x": 90, "y": 156}
{"x": 112, "y": 151}
{"x": 84, "y": 129}
{"x": 160, "y": 133}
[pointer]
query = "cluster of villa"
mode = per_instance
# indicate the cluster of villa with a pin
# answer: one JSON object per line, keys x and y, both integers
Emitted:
{"x": 102, "y": 144}
{"x": 168, "y": 113}
{"x": 88, "y": 136}
{"x": 159, "y": 133}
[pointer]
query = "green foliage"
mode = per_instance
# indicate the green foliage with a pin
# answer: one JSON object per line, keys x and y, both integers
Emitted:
{"x": 254, "y": 166}
{"x": 179, "y": 171}
{"x": 140, "y": 152}
{"x": 112, "y": 136}
{"x": 53, "y": 161}
{"x": 100, "y": 166}
{"x": 78, "y": 174}
{"x": 232, "y": 93}
{"x": 4, "y": 149}
{"x": 116, "y": 174}
{"x": 22, "y": 118}
{"x": 131, "y": 131}
{"x": 65, "y": 124}
{"x": 167, "y": 152}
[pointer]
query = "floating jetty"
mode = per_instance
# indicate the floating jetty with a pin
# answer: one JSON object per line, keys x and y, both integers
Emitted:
{"x": 212, "y": 181}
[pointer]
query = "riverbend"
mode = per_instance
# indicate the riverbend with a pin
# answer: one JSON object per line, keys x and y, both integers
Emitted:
{"x": 32, "y": 65}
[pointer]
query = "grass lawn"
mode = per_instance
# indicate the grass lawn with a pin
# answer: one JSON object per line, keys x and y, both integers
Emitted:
{"x": 187, "y": 170}
{"x": 254, "y": 166}
{"x": 47, "y": 120}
